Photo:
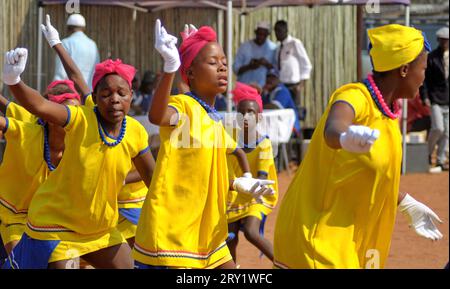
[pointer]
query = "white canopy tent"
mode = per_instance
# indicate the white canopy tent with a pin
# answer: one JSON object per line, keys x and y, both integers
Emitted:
{"x": 230, "y": 6}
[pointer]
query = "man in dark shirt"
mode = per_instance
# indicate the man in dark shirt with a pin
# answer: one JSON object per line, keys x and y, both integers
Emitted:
{"x": 435, "y": 95}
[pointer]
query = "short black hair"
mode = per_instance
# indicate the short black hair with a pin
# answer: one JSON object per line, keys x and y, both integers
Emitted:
{"x": 281, "y": 23}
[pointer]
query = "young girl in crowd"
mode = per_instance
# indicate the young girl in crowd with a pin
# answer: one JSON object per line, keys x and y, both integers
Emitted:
{"x": 74, "y": 212}
{"x": 247, "y": 212}
{"x": 183, "y": 222}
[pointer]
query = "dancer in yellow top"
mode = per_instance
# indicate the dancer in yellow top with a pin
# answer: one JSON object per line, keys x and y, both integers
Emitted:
{"x": 34, "y": 149}
{"x": 183, "y": 221}
{"x": 340, "y": 209}
{"x": 74, "y": 212}
{"x": 244, "y": 211}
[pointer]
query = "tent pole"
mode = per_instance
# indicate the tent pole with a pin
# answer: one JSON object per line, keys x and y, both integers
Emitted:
{"x": 405, "y": 108}
{"x": 229, "y": 51}
{"x": 39, "y": 47}
{"x": 220, "y": 26}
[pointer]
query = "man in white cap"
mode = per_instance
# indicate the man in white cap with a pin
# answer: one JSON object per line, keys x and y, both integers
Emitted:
{"x": 81, "y": 48}
{"x": 435, "y": 94}
{"x": 255, "y": 57}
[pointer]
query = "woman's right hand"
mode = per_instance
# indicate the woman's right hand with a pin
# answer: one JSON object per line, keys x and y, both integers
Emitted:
{"x": 166, "y": 46}
{"x": 14, "y": 66}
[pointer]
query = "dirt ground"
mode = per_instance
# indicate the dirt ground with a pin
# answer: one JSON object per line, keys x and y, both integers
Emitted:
{"x": 408, "y": 250}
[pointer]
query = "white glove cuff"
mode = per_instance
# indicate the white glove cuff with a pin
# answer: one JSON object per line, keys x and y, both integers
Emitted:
{"x": 54, "y": 42}
{"x": 406, "y": 203}
{"x": 247, "y": 175}
{"x": 11, "y": 81}
{"x": 171, "y": 67}
{"x": 342, "y": 139}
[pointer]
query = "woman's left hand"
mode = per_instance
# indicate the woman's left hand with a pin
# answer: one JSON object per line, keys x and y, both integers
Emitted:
{"x": 420, "y": 217}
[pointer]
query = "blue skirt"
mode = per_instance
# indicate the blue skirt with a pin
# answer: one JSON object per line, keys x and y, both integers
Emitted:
{"x": 30, "y": 254}
{"x": 131, "y": 215}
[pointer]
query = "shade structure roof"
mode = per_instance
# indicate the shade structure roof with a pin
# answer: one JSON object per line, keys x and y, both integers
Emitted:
{"x": 155, "y": 5}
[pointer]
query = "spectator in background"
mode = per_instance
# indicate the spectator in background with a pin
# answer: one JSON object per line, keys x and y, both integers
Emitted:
{"x": 81, "y": 48}
{"x": 292, "y": 61}
{"x": 277, "y": 96}
{"x": 134, "y": 108}
{"x": 221, "y": 102}
{"x": 144, "y": 95}
{"x": 255, "y": 57}
{"x": 435, "y": 94}
{"x": 418, "y": 116}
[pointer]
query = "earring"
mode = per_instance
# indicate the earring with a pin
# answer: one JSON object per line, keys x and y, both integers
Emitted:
{"x": 403, "y": 74}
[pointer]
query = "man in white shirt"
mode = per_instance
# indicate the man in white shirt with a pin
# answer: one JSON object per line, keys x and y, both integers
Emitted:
{"x": 292, "y": 60}
{"x": 255, "y": 57}
{"x": 81, "y": 48}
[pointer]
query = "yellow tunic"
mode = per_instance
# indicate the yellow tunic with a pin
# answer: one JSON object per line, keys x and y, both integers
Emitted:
{"x": 22, "y": 171}
{"x": 18, "y": 112}
{"x": 339, "y": 210}
{"x": 240, "y": 206}
{"x": 131, "y": 196}
{"x": 78, "y": 201}
{"x": 183, "y": 222}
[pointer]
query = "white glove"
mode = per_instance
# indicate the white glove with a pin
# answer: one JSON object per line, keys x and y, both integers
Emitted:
{"x": 15, "y": 62}
{"x": 188, "y": 31}
{"x": 420, "y": 217}
{"x": 166, "y": 46}
{"x": 50, "y": 33}
{"x": 254, "y": 187}
{"x": 358, "y": 138}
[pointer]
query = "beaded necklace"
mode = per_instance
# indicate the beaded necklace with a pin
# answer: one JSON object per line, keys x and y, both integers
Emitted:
{"x": 102, "y": 134}
{"x": 250, "y": 146}
{"x": 47, "y": 159}
{"x": 212, "y": 112}
{"x": 379, "y": 100}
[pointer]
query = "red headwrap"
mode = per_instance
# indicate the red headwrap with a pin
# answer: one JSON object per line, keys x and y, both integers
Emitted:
{"x": 60, "y": 98}
{"x": 192, "y": 45}
{"x": 246, "y": 92}
{"x": 109, "y": 66}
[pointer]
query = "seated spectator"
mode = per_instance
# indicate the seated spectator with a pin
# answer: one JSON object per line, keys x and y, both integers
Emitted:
{"x": 221, "y": 103}
{"x": 143, "y": 97}
{"x": 134, "y": 108}
{"x": 418, "y": 115}
{"x": 277, "y": 96}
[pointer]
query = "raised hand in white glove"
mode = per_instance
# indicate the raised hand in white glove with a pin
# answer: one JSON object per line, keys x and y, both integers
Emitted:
{"x": 188, "y": 31}
{"x": 253, "y": 187}
{"x": 420, "y": 217}
{"x": 166, "y": 46}
{"x": 15, "y": 62}
{"x": 358, "y": 138}
{"x": 50, "y": 33}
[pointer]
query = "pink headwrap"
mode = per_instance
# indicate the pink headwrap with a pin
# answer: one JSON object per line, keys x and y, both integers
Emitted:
{"x": 192, "y": 45}
{"x": 246, "y": 92}
{"x": 110, "y": 66}
{"x": 60, "y": 98}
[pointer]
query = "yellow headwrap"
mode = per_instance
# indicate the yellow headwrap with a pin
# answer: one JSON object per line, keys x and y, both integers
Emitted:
{"x": 394, "y": 45}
